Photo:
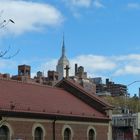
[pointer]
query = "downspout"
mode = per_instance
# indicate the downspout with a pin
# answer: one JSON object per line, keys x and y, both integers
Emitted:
{"x": 54, "y": 129}
{"x": 0, "y": 121}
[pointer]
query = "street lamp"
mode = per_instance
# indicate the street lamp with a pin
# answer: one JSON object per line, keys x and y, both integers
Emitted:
{"x": 133, "y": 82}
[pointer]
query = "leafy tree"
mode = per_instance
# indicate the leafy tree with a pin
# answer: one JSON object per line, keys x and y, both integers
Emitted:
{"x": 122, "y": 103}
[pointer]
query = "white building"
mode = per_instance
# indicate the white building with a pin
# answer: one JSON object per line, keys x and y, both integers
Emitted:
{"x": 126, "y": 126}
{"x": 62, "y": 63}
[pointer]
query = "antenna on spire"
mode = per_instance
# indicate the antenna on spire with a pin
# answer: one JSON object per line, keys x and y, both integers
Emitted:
{"x": 63, "y": 46}
{"x": 63, "y": 39}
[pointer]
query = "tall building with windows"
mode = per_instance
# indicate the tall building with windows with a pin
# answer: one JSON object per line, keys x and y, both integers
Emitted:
{"x": 62, "y": 63}
{"x": 109, "y": 88}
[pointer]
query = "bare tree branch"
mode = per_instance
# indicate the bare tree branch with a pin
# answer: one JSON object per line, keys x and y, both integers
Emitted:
{"x": 5, "y": 22}
{"x": 9, "y": 56}
{"x": 5, "y": 52}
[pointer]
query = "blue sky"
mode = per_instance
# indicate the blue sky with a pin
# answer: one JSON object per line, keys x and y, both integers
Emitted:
{"x": 101, "y": 35}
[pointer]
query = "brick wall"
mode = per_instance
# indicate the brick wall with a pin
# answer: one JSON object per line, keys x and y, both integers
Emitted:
{"x": 23, "y": 128}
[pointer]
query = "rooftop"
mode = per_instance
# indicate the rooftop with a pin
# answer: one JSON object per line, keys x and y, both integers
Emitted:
{"x": 18, "y": 96}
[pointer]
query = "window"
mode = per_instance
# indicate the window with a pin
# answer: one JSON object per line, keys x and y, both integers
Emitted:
{"x": 38, "y": 134}
{"x": 67, "y": 134}
{"x": 91, "y": 134}
{"x": 4, "y": 133}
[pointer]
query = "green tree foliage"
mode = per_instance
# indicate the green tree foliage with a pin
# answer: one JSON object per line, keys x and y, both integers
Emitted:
{"x": 122, "y": 103}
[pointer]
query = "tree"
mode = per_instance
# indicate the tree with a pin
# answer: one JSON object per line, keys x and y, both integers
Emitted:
{"x": 117, "y": 102}
{"x": 121, "y": 103}
{"x": 5, "y": 22}
{"x": 4, "y": 54}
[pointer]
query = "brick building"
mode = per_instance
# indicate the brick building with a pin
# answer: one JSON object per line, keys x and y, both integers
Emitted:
{"x": 32, "y": 111}
{"x": 81, "y": 78}
{"x": 109, "y": 87}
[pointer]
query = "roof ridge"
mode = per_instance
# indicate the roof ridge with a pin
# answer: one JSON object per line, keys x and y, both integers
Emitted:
{"x": 88, "y": 94}
{"x": 29, "y": 83}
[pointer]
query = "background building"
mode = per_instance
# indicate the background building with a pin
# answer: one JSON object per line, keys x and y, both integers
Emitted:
{"x": 62, "y": 63}
{"x": 126, "y": 126}
{"x": 109, "y": 88}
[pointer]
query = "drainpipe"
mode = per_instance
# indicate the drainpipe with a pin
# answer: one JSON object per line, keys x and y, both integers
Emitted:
{"x": 0, "y": 121}
{"x": 54, "y": 129}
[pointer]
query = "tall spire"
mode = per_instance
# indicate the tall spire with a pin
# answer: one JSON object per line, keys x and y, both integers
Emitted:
{"x": 63, "y": 47}
{"x": 62, "y": 63}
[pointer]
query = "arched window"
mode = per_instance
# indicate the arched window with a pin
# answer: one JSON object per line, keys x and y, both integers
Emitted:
{"x": 38, "y": 133}
{"x": 4, "y": 133}
{"x": 91, "y": 134}
{"x": 67, "y": 134}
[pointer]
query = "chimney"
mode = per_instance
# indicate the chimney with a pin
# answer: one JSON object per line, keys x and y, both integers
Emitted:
{"x": 52, "y": 75}
{"x": 76, "y": 69}
{"x": 24, "y": 70}
{"x": 107, "y": 81}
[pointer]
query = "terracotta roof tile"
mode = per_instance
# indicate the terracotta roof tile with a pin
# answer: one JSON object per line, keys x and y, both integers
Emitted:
{"x": 23, "y": 97}
{"x": 94, "y": 96}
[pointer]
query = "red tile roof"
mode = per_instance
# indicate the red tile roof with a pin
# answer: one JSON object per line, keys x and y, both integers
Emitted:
{"x": 92, "y": 95}
{"x": 23, "y": 97}
{"x": 83, "y": 91}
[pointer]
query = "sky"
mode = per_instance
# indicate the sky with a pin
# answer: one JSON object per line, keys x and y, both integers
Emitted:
{"x": 101, "y": 35}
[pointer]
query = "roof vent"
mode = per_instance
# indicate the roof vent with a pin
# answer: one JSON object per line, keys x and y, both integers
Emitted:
{"x": 83, "y": 114}
{"x": 28, "y": 108}
{"x": 12, "y": 105}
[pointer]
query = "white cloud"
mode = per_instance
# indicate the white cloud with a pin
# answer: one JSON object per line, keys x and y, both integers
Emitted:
{"x": 94, "y": 65}
{"x": 84, "y": 3}
{"x": 128, "y": 64}
{"x": 109, "y": 65}
{"x": 130, "y": 57}
{"x": 98, "y": 4}
{"x": 128, "y": 69}
{"x": 133, "y": 5}
{"x": 79, "y": 3}
{"x": 49, "y": 65}
{"x": 29, "y": 16}
{"x": 75, "y": 6}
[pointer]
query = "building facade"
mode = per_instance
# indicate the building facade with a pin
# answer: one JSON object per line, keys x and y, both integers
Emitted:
{"x": 30, "y": 111}
{"x": 126, "y": 126}
{"x": 110, "y": 88}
